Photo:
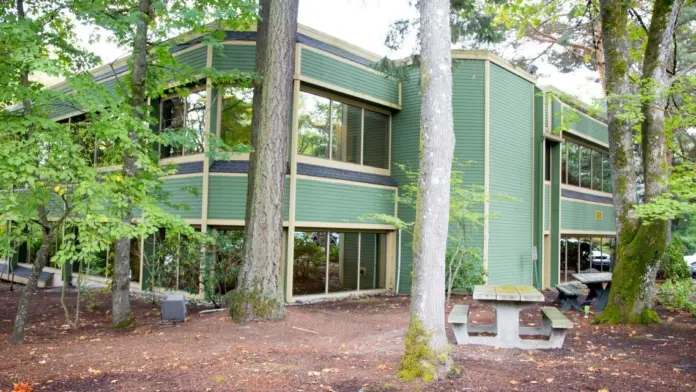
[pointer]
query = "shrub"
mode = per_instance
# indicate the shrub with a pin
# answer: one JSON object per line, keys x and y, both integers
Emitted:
{"x": 464, "y": 269}
{"x": 673, "y": 261}
{"x": 676, "y": 295}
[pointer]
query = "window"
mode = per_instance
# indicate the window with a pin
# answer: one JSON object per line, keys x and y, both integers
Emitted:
{"x": 331, "y": 262}
{"x": 547, "y": 161}
{"x": 236, "y": 116}
{"x": 564, "y": 163}
{"x": 573, "y": 164}
{"x": 339, "y": 131}
{"x": 186, "y": 116}
{"x": 606, "y": 173}
{"x": 597, "y": 170}
{"x": 586, "y": 167}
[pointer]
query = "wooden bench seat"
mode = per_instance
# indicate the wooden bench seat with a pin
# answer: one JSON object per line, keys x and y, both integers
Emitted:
{"x": 555, "y": 324}
{"x": 568, "y": 294}
{"x": 459, "y": 314}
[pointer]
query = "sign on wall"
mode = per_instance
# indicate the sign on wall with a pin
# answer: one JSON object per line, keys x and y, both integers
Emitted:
{"x": 598, "y": 215}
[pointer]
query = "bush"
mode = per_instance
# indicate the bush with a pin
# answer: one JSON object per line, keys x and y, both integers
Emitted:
{"x": 471, "y": 270}
{"x": 673, "y": 262}
{"x": 676, "y": 295}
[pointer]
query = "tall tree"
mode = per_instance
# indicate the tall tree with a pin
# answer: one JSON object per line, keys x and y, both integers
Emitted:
{"x": 427, "y": 351}
{"x": 641, "y": 243}
{"x": 258, "y": 295}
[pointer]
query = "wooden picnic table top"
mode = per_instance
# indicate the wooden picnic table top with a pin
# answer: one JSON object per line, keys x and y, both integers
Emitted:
{"x": 593, "y": 277}
{"x": 507, "y": 293}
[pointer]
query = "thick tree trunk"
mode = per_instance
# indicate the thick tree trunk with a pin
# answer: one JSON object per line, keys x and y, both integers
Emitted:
{"x": 259, "y": 295}
{"x": 640, "y": 244}
{"x": 30, "y": 289}
{"x": 427, "y": 351}
{"x": 121, "y": 315}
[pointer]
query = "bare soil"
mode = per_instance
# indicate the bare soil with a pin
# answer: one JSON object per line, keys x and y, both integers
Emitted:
{"x": 347, "y": 345}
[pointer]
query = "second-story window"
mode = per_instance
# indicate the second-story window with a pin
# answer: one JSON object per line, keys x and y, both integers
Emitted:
{"x": 236, "y": 116}
{"x": 339, "y": 131}
{"x": 184, "y": 113}
{"x": 585, "y": 167}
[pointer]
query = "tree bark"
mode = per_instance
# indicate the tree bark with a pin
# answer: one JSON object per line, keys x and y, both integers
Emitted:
{"x": 121, "y": 315}
{"x": 427, "y": 351}
{"x": 259, "y": 294}
{"x": 640, "y": 244}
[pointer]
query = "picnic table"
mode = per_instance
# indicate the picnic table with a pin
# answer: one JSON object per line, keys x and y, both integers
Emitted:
{"x": 508, "y": 300}
{"x": 595, "y": 281}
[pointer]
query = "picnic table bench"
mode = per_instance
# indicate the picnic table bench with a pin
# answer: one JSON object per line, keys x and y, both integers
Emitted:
{"x": 568, "y": 294}
{"x": 507, "y": 301}
{"x": 596, "y": 281}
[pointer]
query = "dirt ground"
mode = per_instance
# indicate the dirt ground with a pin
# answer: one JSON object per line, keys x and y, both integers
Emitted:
{"x": 348, "y": 345}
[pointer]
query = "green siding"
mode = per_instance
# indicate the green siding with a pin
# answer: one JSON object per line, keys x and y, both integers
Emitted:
{"x": 580, "y": 216}
{"x": 555, "y": 114}
{"x": 547, "y": 217}
{"x": 352, "y": 77}
{"x": 583, "y": 125}
{"x": 320, "y": 201}
{"x": 239, "y": 57}
{"x": 539, "y": 173}
{"x": 180, "y": 194}
{"x": 227, "y": 197}
{"x": 511, "y": 174}
{"x": 196, "y": 58}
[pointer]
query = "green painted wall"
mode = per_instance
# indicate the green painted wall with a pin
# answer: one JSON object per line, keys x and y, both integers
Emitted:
{"x": 511, "y": 174}
{"x": 555, "y": 211}
{"x": 227, "y": 197}
{"x": 547, "y": 204}
{"x": 539, "y": 148}
{"x": 240, "y": 57}
{"x": 353, "y": 77}
{"x": 320, "y": 201}
{"x": 583, "y": 125}
{"x": 555, "y": 113}
{"x": 181, "y": 195}
{"x": 578, "y": 215}
{"x": 195, "y": 58}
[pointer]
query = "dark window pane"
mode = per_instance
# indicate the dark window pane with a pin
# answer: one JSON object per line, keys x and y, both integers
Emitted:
{"x": 547, "y": 162}
{"x": 309, "y": 266}
{"x": 313, "y": 126}
{"x": 596, "y": 170}
{"x": 573, "y": 164}
{"x": 345, "y": 133}
{"x": 585, "y": 168}
{"x": 376, "y": 140}
{"x": 235, "y": 129}
{"x": 564, "y": 162}
{"x": 172, "y": 120}
{"x": 195, "y": 122}
{"x": 606, "y": 173}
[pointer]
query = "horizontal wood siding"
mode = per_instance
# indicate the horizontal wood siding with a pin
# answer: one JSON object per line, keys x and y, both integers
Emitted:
{"x": 180, "y": 194}
{"x": 227, "y": 197}
{"x": 582, "y": 124}
{"x": 352, "y": 77}
{"x": 196, "y": 58}
{"x": 580, "y": 216}
{"x": 556, "y": 114}
{"x": 320, "y": 201}
{"x": 239, "y": 57}
{"x": 511, "y": 174}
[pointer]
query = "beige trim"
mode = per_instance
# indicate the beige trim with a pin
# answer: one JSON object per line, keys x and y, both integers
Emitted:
{"x": 587, "y": 232}
{"x": 581, "y": 136}
{"x": 188, "y": 175}
{"x": 218, "y": 105}
{"x": 534, "y": 195}
{"x": 547, "y": 232}
{"x": 546, "y": 182}
{"x": 492, "y": 57}
{"x": 342, "y": 165}
{"x": 342, "y": 90}
{"x": 346, "y": 61}
{"x": 340, "y": 98}
{"x": 239, "y": 43}
{"x": 585, "y": 190}
{"x": 102, "y": 169}
{"x": 343, "y": 225}
{"x": 390, "y": 270}
{"x": 487, "y": 163}
{"x": 587, "y": 202}
{"x": 342, "y": 294}
{"x": 66, "y": 116}
{"x": 579, "y": 112}
{"x": 194, "y": 221}
{"x": 228, "y": 174}
{"x": 345, "y": 182}
{"x": 185, "y": 159}
{"x": 226, "y": 222}
{"x": 555, "y": 138}
{"x": 292, "y": 198}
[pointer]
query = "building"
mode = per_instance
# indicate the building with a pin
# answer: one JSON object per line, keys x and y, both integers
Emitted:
{"x": 352, "y": 127}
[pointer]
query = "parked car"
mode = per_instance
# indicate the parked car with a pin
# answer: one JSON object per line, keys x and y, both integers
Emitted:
{"x": 691, "y": 262}
{"x": 601, "y": 261}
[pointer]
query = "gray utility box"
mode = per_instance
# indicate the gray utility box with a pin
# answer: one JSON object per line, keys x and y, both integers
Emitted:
{"x": 173, "y": 307}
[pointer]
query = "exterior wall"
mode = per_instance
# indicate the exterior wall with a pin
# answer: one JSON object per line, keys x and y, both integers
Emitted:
{"x": 240, "y": 56}
{"x": 547, "y": 204}
{"x": 511, "y": 174}
{"x": 185, "y": 192}
{"x": 227, "y": 197}
{"x": 586, "y": 126}
{"x": 579, "y": 216}
{"x": 331, "y": 70}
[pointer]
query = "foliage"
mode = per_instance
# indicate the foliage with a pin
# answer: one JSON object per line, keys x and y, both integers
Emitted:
{"x": 221, "y": 267}
{"x": 177, "y": 263}
{"x": 464, "y": 269}
{"x": 676, "y": 294}
{"x": 308, "y": 256}
{"x": 673, "y": 261}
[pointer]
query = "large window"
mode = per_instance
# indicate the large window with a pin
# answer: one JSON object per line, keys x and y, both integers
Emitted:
{"x": 331, "y": 262}
{"x": 585, "y": 254}
{"x": 236, "y": 116}
{"x": 586, "y": 167}
{"x": 186, "y": 116}
{"x": 338, "y": 131}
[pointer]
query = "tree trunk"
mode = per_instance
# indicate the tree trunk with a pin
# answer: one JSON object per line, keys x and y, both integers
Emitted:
{"x": 30, "y": 288}
{"x": 121, "y": 315}
{"x": 599, "y": 54}
{"x": 427, "y": 352}
{"x": 640, "y": 244}
{"x": 259, "y": 295}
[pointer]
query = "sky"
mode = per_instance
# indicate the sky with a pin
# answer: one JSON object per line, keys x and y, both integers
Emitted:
{"x": 365, "y": 23}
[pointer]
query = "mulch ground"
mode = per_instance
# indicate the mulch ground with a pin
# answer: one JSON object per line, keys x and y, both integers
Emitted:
{"x": 347, "y": 345}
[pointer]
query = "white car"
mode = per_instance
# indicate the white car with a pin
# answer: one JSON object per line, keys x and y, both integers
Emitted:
{"x": 601, "y": 261}
{"x": 691, "y": 262}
